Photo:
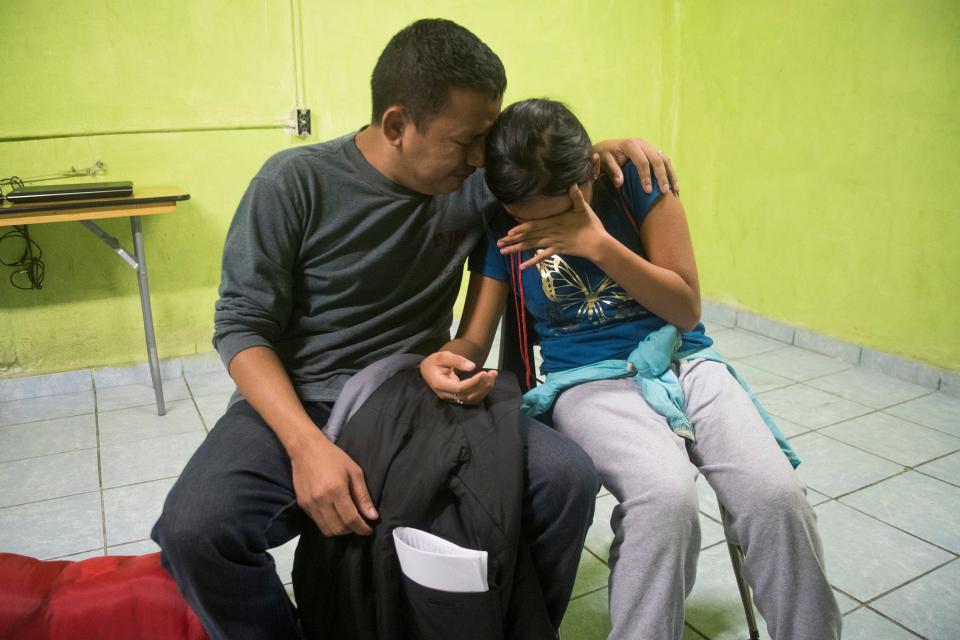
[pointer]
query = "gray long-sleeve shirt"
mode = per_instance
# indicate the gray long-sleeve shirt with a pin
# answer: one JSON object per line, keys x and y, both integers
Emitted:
{"x": 335, "y": 266}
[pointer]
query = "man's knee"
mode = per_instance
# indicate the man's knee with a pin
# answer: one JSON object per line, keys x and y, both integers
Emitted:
{"x": 578, "y": 478}
{"x": 560, "y": 472}
{"x": 194, "y": 525}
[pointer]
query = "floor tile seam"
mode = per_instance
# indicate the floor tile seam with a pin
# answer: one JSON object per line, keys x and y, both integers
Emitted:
{"x": 23, "y": 424}
{"x": 871, "y": 412}
{"x": 47, "y": 455}
{"x": 66, "y": 495}
{"x": 713, "y": 544}
{"x": 796, "y": 435}
{"x": 103, "y": 505}
{"x": 64, "y": 557}
{"x": 146, "y": 380}
{"x": 764, "y": 352}
{"x": 605, "y": 563}
{"x": 912, "y": 420}
{"x": 167, "y": 402}
{"x": 882, "y": 457}
{"x": 794, "y": 383}
{"x": 71, "y": 415}
{"x": 870, "y": 601}
{"x": 915, "y": 421}
{"x": 857, "y": 365}
{"x": 835, "y": 395}
{"x": 117, "y": 544}
{"x": 710, "y": 517}
{"x": 810, "y": 429}
{"x": 868, "y": 485}
{"x": 55, "y": 373}
{"x": 695, "y": 630}
{"x": 120, "y": 544}
{"x": 936, "y": 545}
{"x": 873, "y": 408}
{"x": 139, "y": 482}
{"x": 929, "y": 475}
{"x": 849, "y": 368}
{"x": 210, "y": 393}
{"x": 903, "y": 402}
{"x": 891, "y": 415}
{"x": 820, "y": 376}
{"x": 690, "y": 626}
{"x": 906, "y": 468}
{"x": 155, "y": 437}
{"x": 196, "y": 407}
{"x": 895, "y": 622}
{"x": 854, "y": 598}
{"x": 588, "y": 593}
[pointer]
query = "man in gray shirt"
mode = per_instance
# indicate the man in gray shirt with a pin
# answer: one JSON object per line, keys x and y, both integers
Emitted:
{"x": 341, "y": 253}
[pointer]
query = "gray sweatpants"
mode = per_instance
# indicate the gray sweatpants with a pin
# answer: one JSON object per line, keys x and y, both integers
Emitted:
{"x": 656, "y": 529}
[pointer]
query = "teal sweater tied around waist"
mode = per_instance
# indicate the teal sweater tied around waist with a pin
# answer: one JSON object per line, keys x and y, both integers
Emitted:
{"x": 649, "y": 366}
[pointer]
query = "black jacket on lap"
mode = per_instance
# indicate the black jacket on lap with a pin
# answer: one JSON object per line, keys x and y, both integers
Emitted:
{"x": 454, "y": 471}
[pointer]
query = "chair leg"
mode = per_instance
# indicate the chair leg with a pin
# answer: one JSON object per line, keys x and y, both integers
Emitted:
{"x": 736, "y": 559}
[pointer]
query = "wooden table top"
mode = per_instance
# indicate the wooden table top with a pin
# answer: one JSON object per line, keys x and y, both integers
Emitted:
{"x": 145, "y": 201}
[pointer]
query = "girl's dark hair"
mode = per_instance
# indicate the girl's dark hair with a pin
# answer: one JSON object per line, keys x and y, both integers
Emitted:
{"x": 536, "y": 148}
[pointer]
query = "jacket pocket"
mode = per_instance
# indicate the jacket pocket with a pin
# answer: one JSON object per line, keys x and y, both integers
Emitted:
{"x": 441, "y": 615}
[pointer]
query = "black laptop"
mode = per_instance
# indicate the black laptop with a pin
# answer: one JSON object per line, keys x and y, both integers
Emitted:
{"x": 78, "y": 191}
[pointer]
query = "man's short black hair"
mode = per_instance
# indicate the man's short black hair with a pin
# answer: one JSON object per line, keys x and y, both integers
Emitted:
{"x": 424, "y": 61}
{"x": 536, "y": 147}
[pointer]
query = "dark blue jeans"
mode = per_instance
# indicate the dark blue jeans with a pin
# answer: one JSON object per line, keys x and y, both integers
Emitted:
{"x": 234, "y": 500}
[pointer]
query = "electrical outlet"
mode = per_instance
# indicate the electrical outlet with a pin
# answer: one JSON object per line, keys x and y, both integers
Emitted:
{"x": 303, "y": 122}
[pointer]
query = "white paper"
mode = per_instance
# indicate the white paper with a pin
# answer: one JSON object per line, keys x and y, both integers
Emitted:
{"x": 436, "y": 563}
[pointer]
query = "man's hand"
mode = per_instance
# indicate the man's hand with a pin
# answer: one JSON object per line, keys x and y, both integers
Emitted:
{"x": 330, "y": 487}
{"x": 614, "y": 153}
{"x": 575, "y": 232}
{"x": 439, "y": 370}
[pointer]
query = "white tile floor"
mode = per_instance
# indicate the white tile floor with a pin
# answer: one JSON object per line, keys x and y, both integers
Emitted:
{"x": 85, "y": 473}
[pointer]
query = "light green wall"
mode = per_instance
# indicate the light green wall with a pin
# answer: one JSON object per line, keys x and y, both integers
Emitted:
{"x": 194, "y": 93}
{"x": 817, "y": 144}
{"x": 819, "y": 148}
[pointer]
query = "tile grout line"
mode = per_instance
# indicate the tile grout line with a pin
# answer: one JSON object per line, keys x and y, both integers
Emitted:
{"x": 886, "y": 593}
{"x": 868, "y": 604}
{"x": 47, "y": 455}
{"x": 882, "y": 457}
{"x": 103, "y": 502}
{"x": 72, "y": 415}
{"x": 895, "y": 622}
{"x": 928, "y": 475}
{"x": 83, "y": 493}
{"x": 893, "y": 526}
{"x": 196, "y": 407}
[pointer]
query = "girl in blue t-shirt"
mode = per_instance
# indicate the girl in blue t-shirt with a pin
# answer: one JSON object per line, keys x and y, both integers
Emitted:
{"x": 609, "y": 278}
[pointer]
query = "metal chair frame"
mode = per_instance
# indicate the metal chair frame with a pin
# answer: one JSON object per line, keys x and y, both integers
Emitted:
{"x": 512, "y": 359}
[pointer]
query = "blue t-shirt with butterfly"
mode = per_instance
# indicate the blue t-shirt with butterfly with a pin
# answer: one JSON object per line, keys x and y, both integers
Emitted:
{"x": 581, "y": 315}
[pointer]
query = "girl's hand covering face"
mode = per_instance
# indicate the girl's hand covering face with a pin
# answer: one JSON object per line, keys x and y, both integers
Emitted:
{"x": 576, "y": 232}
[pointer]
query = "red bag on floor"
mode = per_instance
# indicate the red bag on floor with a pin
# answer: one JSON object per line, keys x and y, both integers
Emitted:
{"x": 128, "y": 597}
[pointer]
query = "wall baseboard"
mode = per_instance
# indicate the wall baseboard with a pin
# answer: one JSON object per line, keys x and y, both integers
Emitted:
{"x": 894, "y": 366}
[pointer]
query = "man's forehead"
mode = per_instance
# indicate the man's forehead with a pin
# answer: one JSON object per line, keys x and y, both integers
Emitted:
{"x": 468, "y": 112}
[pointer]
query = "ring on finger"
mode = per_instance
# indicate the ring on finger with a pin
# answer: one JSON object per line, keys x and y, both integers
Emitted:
{"x": 659, "y": 152}
{"x": 457, "y": 398}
